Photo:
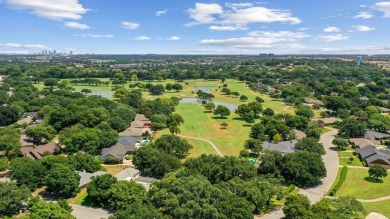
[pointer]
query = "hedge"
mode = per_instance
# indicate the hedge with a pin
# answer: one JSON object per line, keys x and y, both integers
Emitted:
{"x": 343, "y": 176}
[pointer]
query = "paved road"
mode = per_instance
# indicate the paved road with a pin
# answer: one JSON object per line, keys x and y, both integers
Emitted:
{"x": 316, "y": 193}
{"x": 201, "y": 139}
{"x": 331, "y": 161}
{"x": 81, "y": 212}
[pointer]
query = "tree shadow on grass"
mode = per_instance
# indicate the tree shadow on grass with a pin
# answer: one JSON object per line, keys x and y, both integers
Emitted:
{"x": 373, "y": 180}
{"x": 218, "y": 117}
{"x": 337, "y": 149}
{"x": 207, "y": 111}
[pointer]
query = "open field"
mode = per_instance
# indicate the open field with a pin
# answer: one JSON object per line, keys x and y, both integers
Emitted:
{"x": 355, "y": 185}
{"x": 200, "y": 124}
{"x": 382, "y": 207}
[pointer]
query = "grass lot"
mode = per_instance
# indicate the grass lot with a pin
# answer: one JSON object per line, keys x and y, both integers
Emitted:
{"x": 344, "y": 156}
{"x": 204, "y": 125}
{"x": 200, "y": 147}
{"x": 114, "y": 169}
{"x": 382, "y": 207}
{"x": 80, "y": 198}
{"x": 355, "y": 185}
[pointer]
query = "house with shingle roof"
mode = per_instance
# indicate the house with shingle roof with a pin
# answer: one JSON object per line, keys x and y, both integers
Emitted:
{"x": 86, "y": 177}
{"x": 373, "y": 156}
{"x": 124, "y": 146}
{"x": 376, "y": 135}
{"x": 285, "y": 147}
{"x": 38, "y": 152}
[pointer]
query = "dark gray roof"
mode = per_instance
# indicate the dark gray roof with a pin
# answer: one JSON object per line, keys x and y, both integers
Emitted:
{"x": 375, "y": 157}
{"x": 366, "y": 151}
{"x": 370, "y": 154}
{"x": 375, "y": 135}
{"x": 30, "y": 114}
{"x": 284, "y": 146}
{"x": 122, "y": 147}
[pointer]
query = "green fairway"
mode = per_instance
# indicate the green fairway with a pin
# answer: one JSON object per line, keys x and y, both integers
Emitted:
{"x": 382, "y": 207}
{"x": 200, "y": 124}
{"x": 355, "y": 185}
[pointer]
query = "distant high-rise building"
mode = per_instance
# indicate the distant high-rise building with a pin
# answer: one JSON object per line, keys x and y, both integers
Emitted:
{"x": 358, "y": 60}
{"x": 54, "y": 52}
{"x": 71, "y": 53}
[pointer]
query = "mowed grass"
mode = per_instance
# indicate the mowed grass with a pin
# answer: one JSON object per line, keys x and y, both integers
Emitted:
{"x": 113, "y": 169}
{"x": 355, "y": 185}
{"x": 201, "y": 124}
{"x": 382, "y": 207}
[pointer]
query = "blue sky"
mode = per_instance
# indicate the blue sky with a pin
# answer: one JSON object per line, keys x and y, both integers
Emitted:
{"x": 195, "y": 27}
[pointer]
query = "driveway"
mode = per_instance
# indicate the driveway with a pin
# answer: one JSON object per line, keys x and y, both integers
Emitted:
{"x": 316, "y": 193}
{"x": 81, "y": 212}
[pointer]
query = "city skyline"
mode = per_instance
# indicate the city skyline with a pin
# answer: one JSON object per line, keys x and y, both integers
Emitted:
{"x": 195, "y": 27}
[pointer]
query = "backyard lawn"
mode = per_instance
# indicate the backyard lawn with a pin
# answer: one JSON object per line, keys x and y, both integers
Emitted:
{"x": 355, "y": 185}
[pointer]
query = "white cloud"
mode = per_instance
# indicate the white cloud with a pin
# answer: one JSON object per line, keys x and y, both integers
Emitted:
{"x": 376, "y": 49}
{"x": 130, "y": 25}
{"x": 95, "y": 35}
{"x": 142, "y": 38}
{"x": 173, "y": 38}
{"x": 26, "y": 46}
{"x": 76, "y": 25}
{"x": 332, "y": 29}
{"x": 162, "y": 12}
{"x": 303, "y": 29}
{"x": 51, "y": 9}
{"x": 364, "y": 15}
{"x": 383, "y": 7}
{"x": 237, "y": 15}
{"x": 331, "y": 38}
{"x": 203, "y": 13}
{"x": 227, "y": 28}
{"x": 261, "y": 39}
{"x": 14, "y": 52}
{"x": 361, "y": 28}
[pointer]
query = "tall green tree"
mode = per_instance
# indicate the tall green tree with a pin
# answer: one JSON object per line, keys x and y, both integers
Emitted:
{"x": 63, "y": 182}
{"x": 12, "y": 197}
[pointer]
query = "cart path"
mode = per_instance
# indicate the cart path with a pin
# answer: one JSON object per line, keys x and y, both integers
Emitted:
{"x": 202, "y": 139}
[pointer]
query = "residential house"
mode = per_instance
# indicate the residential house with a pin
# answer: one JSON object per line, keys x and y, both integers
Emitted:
{"x": 134, "y": 174}
{"x": 373, "y": 156}
{"x": 86, "y": 177}
{"x": 38, "y": 152}
{"x": 285, "y": 147}
{"x": 327, "y": 120}
{"x": 363, "y": 142}
{"x": 140, "y": 125}
{"x": 125, "y": 145}
{"x": 384, "y": 110}
{"x": 313, "y": 102}
{"x": 299, "y": 134}
{"x": 376, "y": 135}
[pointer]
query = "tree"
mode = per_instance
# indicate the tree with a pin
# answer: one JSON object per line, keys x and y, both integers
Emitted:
{"x": 12, "y": 197}
{"x": 159, "y": 121}
{"x": 98, "y": 188}
{"x": 63, "y": 182}
{"x": 271, "y": 163}
{"x": 152, "y": 161}
{"x": 41, "y": 209}
{"x": 257, "y": 131}
{"x": 195, "y": 197}
{"x": 243, "y": 98}
{"x": 10, "y": 141}
{"x": 377, "y": 171}
{"x": 277, "y": 137}
{"x": 137, "y": 210}
{"x": 222, "y": 111}
{"x": 303, "y": 168}
{"x": 296, "y": 207}
{"x": 3, "y": 163}
{"x": 28, "y": 172}
{"x": 123, "y": 193}
{"x": 157, "y": 89}
{"x": 311, "y": 145}
{"x": 305, "y": 111}
{"x": 268, "y": 112}
{"x": 60, "y": 118}
{"x": 121, "y": 92}
{"x": 86, "y": 91}
{"x": 224, "y": 125}
{"x": 41, "y": 134}
{"x": 8, "y": 115}
{"x": 255, "y": 145}
{"x": 209, "y": 106}
{"x": 340, "y": 142}
{"x": 249, "y": 118}
{"x": 51, "y": 82}
{"x": 259, "y": 99}
{"x": 256, "y": 108}
{"x": 84, "y": 162}
{"x": 173, "y": 145}
{"x": 352, "y": 128}
{"x": 177, "y": 87}
{"x": 168, "y": 87}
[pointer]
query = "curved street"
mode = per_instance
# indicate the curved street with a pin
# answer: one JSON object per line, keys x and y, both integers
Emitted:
{"x": 316, "y": 193}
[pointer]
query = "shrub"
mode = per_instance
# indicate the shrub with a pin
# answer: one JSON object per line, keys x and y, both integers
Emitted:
{"x": 244, "y": 153}
{"x": 343, "y": 176}
{"x": 112, "y": 160}
{"x": 290, "y": 188}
